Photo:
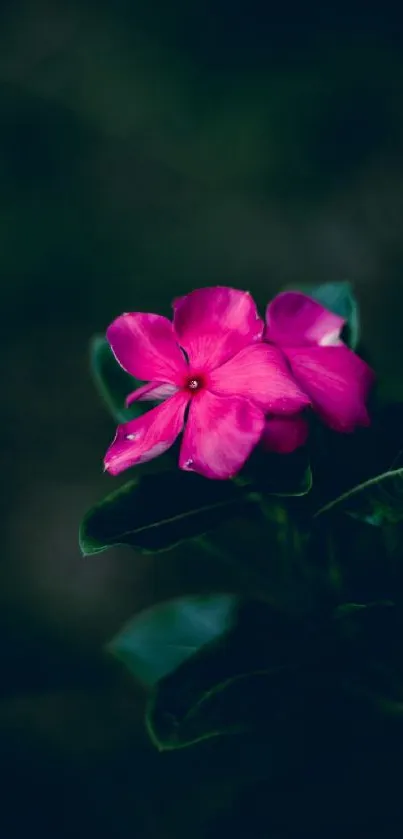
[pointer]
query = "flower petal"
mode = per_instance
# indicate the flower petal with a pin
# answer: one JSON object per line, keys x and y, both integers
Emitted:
{"x": 220, "y": 434}
{"x": 145, "y": 346}
{"x": 285, "y": 434}
{"x": 152, "y": 392}
{"x": 294, "y": 319}
{"x": 212, "y": 324}
{"x": 260, "y": 373}
{"x": 148, "y": 436}
{"x": 338, "y": 382}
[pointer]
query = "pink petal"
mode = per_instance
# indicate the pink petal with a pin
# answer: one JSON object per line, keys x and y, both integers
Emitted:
{"x": 212, "y": 324}
{"x": 260, "y": 373}
{"x": 220, "y": 434}
{"x": 148, "y": 436}
{"x": 153, "y": 392}
{"x": 145, "y": 346}
{"x": 338, "y": 382}
{"x": 294, "y": 319}
{"x": 285, "y": 434}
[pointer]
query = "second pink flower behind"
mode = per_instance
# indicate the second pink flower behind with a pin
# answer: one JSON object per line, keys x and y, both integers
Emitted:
{"x": 336, "y": 380}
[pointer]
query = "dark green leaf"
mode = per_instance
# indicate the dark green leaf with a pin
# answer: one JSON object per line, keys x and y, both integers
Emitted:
{"x": 338, "y": 297}
{"x": 376, "y": 501}
{"x": 155, "y": 512}
{"x": 248, "y": 680}
{"x": 278, "y": 474}
{"x": 157, "y": 641}
{"x": 237, "y": 705}
{"x": 113, "y": 383}
{"x": 352, "y": 609}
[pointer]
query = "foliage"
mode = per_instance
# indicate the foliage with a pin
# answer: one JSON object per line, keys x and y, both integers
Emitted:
{"x": 309, "y": 631}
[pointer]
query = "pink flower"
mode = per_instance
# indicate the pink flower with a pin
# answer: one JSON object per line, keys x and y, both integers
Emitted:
{"x": 214, "y": 375}
{"x": 336, "y": 380}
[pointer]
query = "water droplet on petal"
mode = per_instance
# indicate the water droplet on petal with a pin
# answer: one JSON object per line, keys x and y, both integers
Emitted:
{"x": 188, "y": 464}
{"x": 131, "y": 437}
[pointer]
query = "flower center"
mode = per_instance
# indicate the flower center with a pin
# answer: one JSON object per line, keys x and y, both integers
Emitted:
{"x": 195, "y": 383}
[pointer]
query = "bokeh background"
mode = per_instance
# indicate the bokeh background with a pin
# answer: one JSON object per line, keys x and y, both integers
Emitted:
{"x": 147, "y": 149}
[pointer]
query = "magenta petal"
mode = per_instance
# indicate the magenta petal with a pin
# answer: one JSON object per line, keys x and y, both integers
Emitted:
{"x": 212, "y": 324}
{"x": 148, "y": 436}
{"x": 284, "y": 434}
{"x": 294, "y": 319}
{"x": 220, "y": 434}
{"x": 260, "y": 373}
{"x": 338, "y": 382}
{"x": 145, "y": 346}
{"x": 152, "y": 392}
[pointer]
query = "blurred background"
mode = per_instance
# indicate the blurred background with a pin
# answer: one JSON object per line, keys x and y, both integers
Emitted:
{"x": 147, "y": 149}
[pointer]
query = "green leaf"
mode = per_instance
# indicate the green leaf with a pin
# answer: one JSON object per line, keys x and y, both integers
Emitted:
{"x": 248, "y": 680}
{"x": 339, "y": 298}
{"x": 376, "y": 501}
{"x": 112, "y": 383}
{"x": 158, "y": 640}
{"x": 352, "y": 609}
{"x": 278, "y": 474}
{"x": 155, "y": 512}
{"x": 234, "y": 706}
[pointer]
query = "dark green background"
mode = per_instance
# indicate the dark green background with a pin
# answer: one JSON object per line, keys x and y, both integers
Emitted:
{"x": 147, "y": 149}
